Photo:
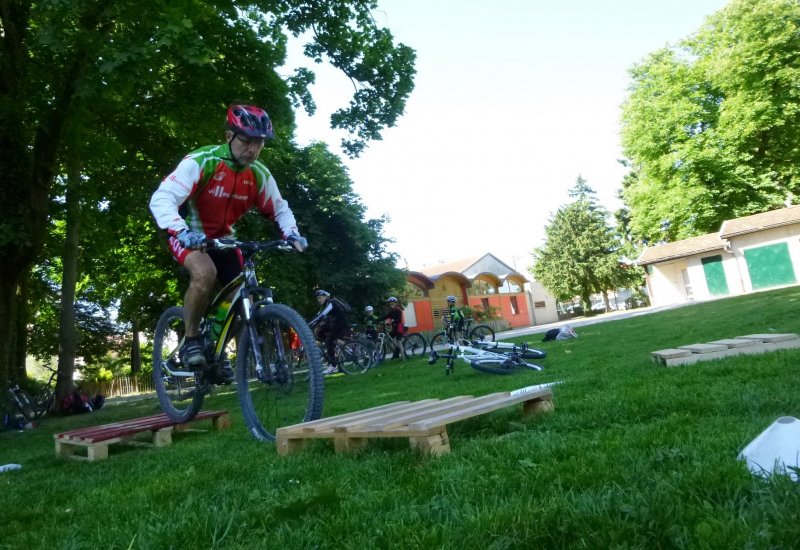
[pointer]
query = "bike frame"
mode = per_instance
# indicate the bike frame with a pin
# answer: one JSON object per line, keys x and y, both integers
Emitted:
{"x": 246, "y": 295}
{"x": 461, "y": 349}
{"x": 385, "y": 338}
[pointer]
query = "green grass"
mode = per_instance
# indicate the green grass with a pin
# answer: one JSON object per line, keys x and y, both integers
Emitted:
{"x": 634, "y": 456}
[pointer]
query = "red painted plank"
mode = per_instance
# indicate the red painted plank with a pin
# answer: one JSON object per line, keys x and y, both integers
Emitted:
{"x": 113, "y": 430}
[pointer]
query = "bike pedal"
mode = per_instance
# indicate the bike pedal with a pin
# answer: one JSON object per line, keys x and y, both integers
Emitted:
{"x": 432, "y": 357}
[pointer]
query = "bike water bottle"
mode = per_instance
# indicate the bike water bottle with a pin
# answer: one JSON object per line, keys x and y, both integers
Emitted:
{"x": 219, "y": 319}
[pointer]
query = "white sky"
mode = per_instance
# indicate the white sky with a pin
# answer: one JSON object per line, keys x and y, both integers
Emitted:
{"x": 513, "y": 100}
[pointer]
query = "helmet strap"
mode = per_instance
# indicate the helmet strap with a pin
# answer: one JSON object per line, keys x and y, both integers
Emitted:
{"x": 230, "y": 148}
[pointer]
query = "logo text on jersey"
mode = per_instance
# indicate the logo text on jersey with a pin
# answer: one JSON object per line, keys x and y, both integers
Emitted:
{"x": 219, "y": 191}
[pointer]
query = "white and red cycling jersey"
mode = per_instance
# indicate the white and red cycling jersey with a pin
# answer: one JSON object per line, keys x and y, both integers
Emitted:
{"x": 208, "y": 193}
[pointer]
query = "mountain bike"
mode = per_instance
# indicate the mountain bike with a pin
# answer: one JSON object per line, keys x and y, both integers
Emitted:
{"x": 411, "y": 345}
{"x": 494, "y": 357}
{"x": 351, "y": 355}
{"x": 274, "y": 390}
{"x": 478, "y": 333}
{"x": 33, "y": 407}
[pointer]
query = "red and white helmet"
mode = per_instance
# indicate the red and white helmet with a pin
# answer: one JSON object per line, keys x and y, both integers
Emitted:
{"x": 249, "y": 120}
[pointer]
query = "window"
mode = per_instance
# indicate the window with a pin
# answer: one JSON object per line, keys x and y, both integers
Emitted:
{"x": 510, "y": 287}
{"x": 413, "y": 291}
{"x": 514, "y": 306}
{"x": 485, "y": 304}
{"x": 481, "y": 288}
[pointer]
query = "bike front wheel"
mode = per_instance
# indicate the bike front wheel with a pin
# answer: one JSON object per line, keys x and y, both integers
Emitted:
{"x": 482, "y": 333}
{"x": 494, "y": 366}
{"x": 353, "y": 358}
{"x": 276, "y": 386}
{"x": 175, "y": 385}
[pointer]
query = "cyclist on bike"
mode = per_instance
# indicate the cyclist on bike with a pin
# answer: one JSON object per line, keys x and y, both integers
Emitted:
{"x": 370, "y": 320}
{"x": 395, "y": 318}
{"x": 455, "y": 313}
{"x": 206, "y": 194}
{"x": 332, "y": 326}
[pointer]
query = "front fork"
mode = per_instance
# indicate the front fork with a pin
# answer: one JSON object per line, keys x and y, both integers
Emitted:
{"x": 266, "y": 372}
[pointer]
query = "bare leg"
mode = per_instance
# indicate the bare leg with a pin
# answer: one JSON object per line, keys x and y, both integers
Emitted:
{"x": 202, "y": 275}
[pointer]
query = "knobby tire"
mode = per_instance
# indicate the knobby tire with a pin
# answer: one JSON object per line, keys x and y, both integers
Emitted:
{"x": 179, "y": 397}
{"x": 414, "y": 345}
{"x": 291, "y": 392}
{"x": 482, "y": 333}
{"x": 354, "y": 357}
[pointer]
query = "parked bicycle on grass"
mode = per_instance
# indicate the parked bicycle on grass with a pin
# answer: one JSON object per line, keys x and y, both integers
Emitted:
{"x": 451, "y": 332}
{"x": 273, "y": 388}
{"x": 407, "y": 346}
{"x": 33, "y": 407}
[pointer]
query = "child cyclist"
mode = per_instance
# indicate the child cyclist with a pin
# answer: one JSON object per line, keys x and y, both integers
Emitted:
{"x": 455, "y": 313}
{"x": 370, "y": 320}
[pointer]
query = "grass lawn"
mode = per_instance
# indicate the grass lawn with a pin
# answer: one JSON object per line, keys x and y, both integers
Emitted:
{"x": 634, "y": 456}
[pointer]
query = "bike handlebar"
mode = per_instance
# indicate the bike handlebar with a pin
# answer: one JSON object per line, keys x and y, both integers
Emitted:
{"x": 248, "y": 246}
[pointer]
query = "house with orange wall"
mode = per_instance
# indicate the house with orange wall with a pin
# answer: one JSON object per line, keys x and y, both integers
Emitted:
{"x": 482, "y": 282}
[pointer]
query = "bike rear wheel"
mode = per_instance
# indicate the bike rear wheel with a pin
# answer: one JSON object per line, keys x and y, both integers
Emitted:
{"x": 353, "y": 358}
{"x": 289, "y": 388}
{"x": 179, "y": 395}
{"x": 482, "y": 333}
{"x": 414, "y": 345}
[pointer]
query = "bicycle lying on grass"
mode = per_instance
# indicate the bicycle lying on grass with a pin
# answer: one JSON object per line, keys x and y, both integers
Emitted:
{"x": 33, "y": 407}
{"x": 274, "y": 390}
{"x": 491, "y": 357}
{"x": 478, "y": 333}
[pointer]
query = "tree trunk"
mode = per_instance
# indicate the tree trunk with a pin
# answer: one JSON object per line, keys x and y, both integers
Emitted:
{"x": 9, "y": 354}
{"x": 136, "y": 351}
{"x": 21, "y": 327}
{"x": 67, "y": 334}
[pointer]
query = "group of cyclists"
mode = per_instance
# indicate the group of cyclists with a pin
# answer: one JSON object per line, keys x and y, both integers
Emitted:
{"x": 332, "y": 323}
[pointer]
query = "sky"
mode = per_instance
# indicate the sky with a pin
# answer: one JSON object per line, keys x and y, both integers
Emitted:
{"x": 513, "y": 100}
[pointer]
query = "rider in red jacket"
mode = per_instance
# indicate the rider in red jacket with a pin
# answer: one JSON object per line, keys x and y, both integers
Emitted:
{"x": 206, "y": 194}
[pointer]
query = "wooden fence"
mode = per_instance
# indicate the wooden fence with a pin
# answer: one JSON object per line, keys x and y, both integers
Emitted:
{"x": 119, "y": 387}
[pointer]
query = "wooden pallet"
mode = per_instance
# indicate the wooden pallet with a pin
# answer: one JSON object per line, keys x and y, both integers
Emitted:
{"x": 741, "y": 345}
{"x": 424, "y": 423}
{"x": 96, "y": 439}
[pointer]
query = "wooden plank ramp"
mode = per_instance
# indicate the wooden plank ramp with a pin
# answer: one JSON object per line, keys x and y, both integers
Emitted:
{"x": 423, "y": 423}
{"x": 750, "y": 344}
{"x": 96, "y": 439}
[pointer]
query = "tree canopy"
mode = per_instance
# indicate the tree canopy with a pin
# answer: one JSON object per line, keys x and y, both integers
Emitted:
{"x": 582, "y": 254}
{"x": 711, "y": 126}
{"x": 104, "y": 97}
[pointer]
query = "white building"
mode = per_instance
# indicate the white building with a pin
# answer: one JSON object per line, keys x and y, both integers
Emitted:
{"x": 748, "y": 254}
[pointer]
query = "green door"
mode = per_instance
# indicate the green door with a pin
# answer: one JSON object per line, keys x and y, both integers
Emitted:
{"x": 770, "y": 266}
{"x": 715, "y": 275}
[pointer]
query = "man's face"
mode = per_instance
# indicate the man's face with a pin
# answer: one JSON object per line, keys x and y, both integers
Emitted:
{"x": 320, "y": 300}
{"x": 245, "y": 149}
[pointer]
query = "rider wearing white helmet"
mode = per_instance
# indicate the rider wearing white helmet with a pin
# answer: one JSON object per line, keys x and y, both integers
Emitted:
{"x": 370, "y": 321}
